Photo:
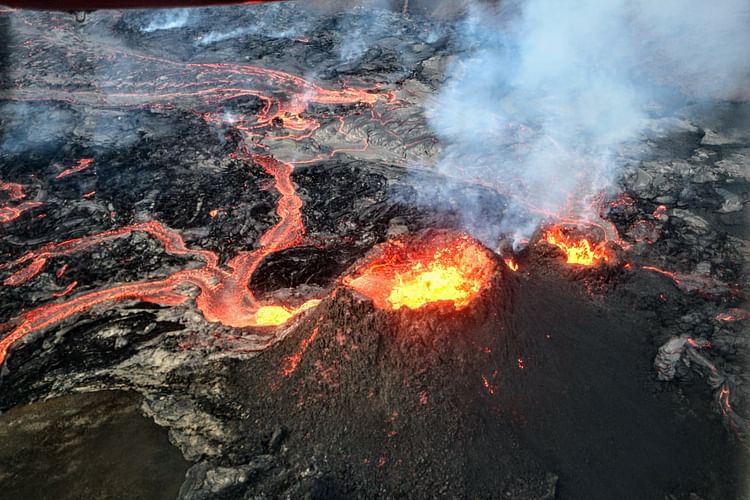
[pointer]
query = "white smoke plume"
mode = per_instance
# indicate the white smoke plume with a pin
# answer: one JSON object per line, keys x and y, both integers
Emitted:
{"x": 548, "y": 92}
{"x": 220, "y": 36}
{"x": 269, "y": 20}
{"x": 167, "y": 19}
{"x": 371, "y": 24}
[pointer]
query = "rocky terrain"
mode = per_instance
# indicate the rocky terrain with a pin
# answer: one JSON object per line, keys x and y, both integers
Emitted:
{"x": 186, "y": 140}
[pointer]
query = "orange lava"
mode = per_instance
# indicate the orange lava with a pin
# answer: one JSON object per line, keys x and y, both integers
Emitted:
{"x": 733, "y": 314}
{"x": 578, "y": 251}
{"x": 14, "y": 193}
{"x": 278, "y": 315}
{"x": 448, "y": 268}
{"x": 289, "y": 364}
{"x": 223, "y": 295}
{"x": 488, "y": 386}
{"x": 82, "y": 165}
{"x": 724, "y": 400}
{"x": 512, "y": 264}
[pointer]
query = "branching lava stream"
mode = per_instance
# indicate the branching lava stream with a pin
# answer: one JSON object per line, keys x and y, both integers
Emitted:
{"x": 224, "y": 296}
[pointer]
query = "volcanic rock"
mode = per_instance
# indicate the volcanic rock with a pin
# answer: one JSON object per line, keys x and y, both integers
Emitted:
{"x": 555, "y": 381}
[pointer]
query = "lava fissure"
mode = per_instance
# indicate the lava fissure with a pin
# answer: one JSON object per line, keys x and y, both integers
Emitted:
{"x": 82, "y": 165}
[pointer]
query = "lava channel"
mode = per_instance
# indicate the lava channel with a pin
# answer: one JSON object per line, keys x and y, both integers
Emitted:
{"x": 411, "y": 273}
{"x": 224, "y": 295}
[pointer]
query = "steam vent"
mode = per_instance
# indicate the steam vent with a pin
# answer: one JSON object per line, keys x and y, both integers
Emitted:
{"x": 375, "y": 249}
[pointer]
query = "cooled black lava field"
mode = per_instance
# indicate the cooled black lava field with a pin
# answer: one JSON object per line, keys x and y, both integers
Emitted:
{"x": 190, "y": 201}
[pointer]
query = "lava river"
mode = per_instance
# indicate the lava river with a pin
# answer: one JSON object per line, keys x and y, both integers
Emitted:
{"x": 224, "y": 296}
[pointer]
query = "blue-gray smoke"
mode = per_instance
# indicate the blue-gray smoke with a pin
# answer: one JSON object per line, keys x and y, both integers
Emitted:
{"x": 548, "y": 92}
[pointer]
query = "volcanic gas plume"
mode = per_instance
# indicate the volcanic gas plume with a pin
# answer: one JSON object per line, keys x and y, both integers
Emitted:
{"x": 551, "y": 94}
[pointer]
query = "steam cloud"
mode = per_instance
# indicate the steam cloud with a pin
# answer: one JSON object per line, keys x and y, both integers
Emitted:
{"x": 550, "y": 91}
{"x": 167, "y": 20}
{"x": 271, "y": 21}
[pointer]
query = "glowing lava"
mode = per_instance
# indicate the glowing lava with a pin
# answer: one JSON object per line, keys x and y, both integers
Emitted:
{"x": 223, "y": 295}
{"x": 278, "y": 315}
{"x": 578, "y": 251}
{"x": 446, "y": 268}
{"x": 733, "y": 314}
{"x": 14, "y": 193}
{"x": 82, "y": 165}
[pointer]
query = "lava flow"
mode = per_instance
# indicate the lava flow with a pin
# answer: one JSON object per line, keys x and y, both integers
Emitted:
{"x": 224, "y": 296}
{"x": 578, "y": 251}
{"x": 16, "y": 193}
{"x": 82, "y": 165}
{"x": 413, "y": 273}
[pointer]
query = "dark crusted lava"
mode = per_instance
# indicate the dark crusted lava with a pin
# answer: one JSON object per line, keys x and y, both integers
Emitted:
{"x": 543, "y": 387}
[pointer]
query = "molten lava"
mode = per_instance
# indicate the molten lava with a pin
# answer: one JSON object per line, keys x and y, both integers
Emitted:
{"x": 82, "y": 165}
{"x": 578, "y": 251}
{"x": 451, "y": 268}
{"x": 14, "y": 193}
{"x": 224, "y": 296}
{"x": 733, "y": 314}
{"x": 278, "y": 315}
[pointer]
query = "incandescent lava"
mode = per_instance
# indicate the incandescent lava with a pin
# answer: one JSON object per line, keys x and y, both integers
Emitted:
{"x": 578, "y": 250}
{"x": 434, "y": 268}
{"x": 14, "y": 193}
{"x": 224, "y": 295}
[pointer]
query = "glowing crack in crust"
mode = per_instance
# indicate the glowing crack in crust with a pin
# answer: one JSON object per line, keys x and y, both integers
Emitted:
{"x": 16, "y": 194}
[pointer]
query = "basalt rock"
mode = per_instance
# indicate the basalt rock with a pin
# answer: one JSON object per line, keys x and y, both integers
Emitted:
{"x": 555, "y": 380}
